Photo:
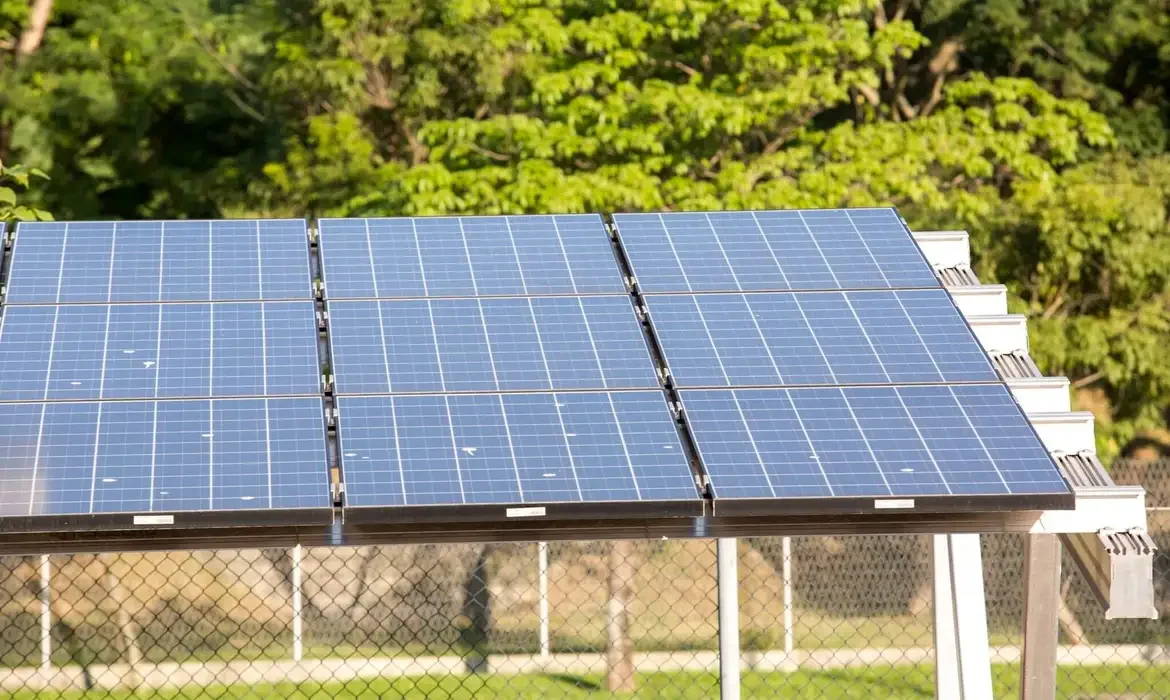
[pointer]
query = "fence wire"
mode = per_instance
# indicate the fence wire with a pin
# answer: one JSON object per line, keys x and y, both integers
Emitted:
{"x": 465, "y": 621}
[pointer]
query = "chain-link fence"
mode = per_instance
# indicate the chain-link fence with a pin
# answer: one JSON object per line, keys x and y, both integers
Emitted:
{"x": 819, "y": 617}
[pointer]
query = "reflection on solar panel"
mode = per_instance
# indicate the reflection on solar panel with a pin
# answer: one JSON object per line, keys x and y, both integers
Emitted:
{"x": 496, "y": 344}
{"x": 60, "y": 263}
{"x": 563, "y": 450}
{"x": 868, "y": 442}
{"x": 772, "y": 250}
{"x": 468, "y": 256}
{"x": 176, "y": 457}
{"x": 146, "y": 351}
{"x": 784, "y": 339}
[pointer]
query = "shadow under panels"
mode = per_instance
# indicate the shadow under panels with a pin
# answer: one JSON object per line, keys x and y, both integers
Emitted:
{"x": 161, "y": 374}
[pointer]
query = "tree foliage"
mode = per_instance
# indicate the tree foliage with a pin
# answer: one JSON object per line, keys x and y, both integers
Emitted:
{"x": 1039, "y": 126}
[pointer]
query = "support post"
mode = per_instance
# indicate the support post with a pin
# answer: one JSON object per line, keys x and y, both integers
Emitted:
{"x": 1041, "y": 616}
{"x": 728, "y": 583}
{"x": 962, "y": 657}
{"x": 46, "y": 616}
{"x": 297, "y": 604}
{"x": 542, "y": 565}
{"x": 786, "y": 549}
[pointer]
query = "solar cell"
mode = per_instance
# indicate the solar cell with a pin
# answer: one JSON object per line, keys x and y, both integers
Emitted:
{"x": 785, "y": 339}
{"x": 468, "y": 256}
{"x": 145, "y": 351}
{"x": 956, "y": 443}
{"x": 772, "y": 251}
{"x": 488, "y": 344}
{"x": 106, "y": 461}
{"x": 151, "y": 261}
{"x": 572, "y": 452}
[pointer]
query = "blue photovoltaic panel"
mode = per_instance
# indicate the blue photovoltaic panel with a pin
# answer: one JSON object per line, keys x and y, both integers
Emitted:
{"x": 143, "y": 261}
{"x": 146, "y": 351}
{"x": 468, "y": 256}
{"x": 429, "y": 450}
{"x": 868, "y": 442}
{"x": 496, "y": 344}
{"x": 78, "y": 458}
{"x": 784, "y": 339}
{"x": 772, "y": 250}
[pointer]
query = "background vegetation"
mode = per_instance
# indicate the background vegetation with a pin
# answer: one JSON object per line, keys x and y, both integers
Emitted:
{"x": 1041, "y": 126}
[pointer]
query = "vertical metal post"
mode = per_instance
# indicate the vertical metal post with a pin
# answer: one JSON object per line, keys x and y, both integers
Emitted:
{"x": 542, "y": 564}
{"x": 298, "y": 646}
{"x": 46, "y": 616}
{"x": 786, "y": 544}
{"x": 728, "y": 582}
{"x": 962, "y": 656}
{"x": 1041, "y": 616}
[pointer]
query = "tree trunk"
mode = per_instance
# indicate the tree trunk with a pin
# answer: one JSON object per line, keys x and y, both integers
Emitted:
{"x": 620, "y": 654}
{"x": 477, "y": 613}
{"x": 1069, "y": 624}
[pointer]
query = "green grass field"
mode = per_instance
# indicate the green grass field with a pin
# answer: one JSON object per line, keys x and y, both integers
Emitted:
{"x": 888, "y": 682}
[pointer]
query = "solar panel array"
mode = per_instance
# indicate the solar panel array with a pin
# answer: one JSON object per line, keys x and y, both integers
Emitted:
{"x": 429, "y": 409}
{"x": 490, "y": 368}
{"x": 162, "y": 367}
{"x": 754, "y": 310}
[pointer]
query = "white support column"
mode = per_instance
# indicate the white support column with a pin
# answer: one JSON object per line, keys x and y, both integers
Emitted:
{"x": 542, "y": 565}
{"x": 298, "y": 643}
{"x": 728, "y": 583}
{"x": 962, "y": 658}
{"x": 46, "y": 616}
{"x": 786, "y": 545}
{"x": 1041, "y": 616}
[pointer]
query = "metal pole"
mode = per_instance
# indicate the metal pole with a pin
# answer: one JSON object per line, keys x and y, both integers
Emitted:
{"x": 542, "y": 564}
{"x": 46, "y": 616}
{"x": 728, "y": 583}
{"x": 786, "y": 543}
{"x": 1041, "y": 616}
{"x": 298, "y": 648}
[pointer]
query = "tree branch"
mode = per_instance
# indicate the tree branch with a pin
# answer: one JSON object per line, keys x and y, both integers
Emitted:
{"x": 691, "y": 72}
{"x": 1087, "y": 380}
{"x": 870, "y": 95}
{"x": 34, "y": 33}
{"x": 490, "y": 154}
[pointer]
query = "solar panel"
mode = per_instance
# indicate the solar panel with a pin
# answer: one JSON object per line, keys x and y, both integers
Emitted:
{"x": 488, "y": 344}
{"x": 203, "y": 461}
{"x": 947, "y": 446}
{"x": 468, "y": 256}
{"x": 513, "y": 455}
{"x": 772, "y": 251}
{"x": 785, "y": 339}
{"x": 147, "y": 351}
{"x": 145, "y": 261}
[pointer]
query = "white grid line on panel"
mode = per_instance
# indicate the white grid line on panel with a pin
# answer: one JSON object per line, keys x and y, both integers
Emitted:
{"x": 677, "y": 259}
{"x": 540, "y": 344}
{"x": 711, "y": 339}
{"x": 763, "y": 339}
{"x": 32, "y": 492}
{"x": 516, "y": 254}
{"x": 454, "y": 448}
{"x": 929, "y": 352}
{"x": 467, "y": 252}
{"x": 397, "y": 448}
{"x": 511, "y": 448}
{"x": 210, "y": 406}
{"x": 617, "y": 421}
{"x": 868, "y": 447}
{"x": 817, "y": 243}
{"x": 868, "y": 252}
{"x": 816, "y": 340}
{"x": 807, "y": 438}
{"x": 918, "y": 431}
{"x": 264, "y": 358}
{"x": 593, "y": 343}
{"x": 568, "y": 448}
{"x": 422, "y": 271}
{"x": 719, "y": 242}
{"x": 61, "y": 267}
{"x": 979, "y": 437}
{"x": 872, "y": 347}
{"x": 768, "y": 245}
{"x": 565, "y": 254}
{"x": 487, "y": 339}
{"x": 157, "y": 369}
{"x": 378, "y": 307}
{"x": 435, "y": 340}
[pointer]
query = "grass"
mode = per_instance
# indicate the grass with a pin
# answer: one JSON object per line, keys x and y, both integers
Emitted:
{"x": 909, "y": 682}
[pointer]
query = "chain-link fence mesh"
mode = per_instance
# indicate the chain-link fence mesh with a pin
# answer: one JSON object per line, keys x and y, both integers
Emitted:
{"x": 819, "y": 617}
